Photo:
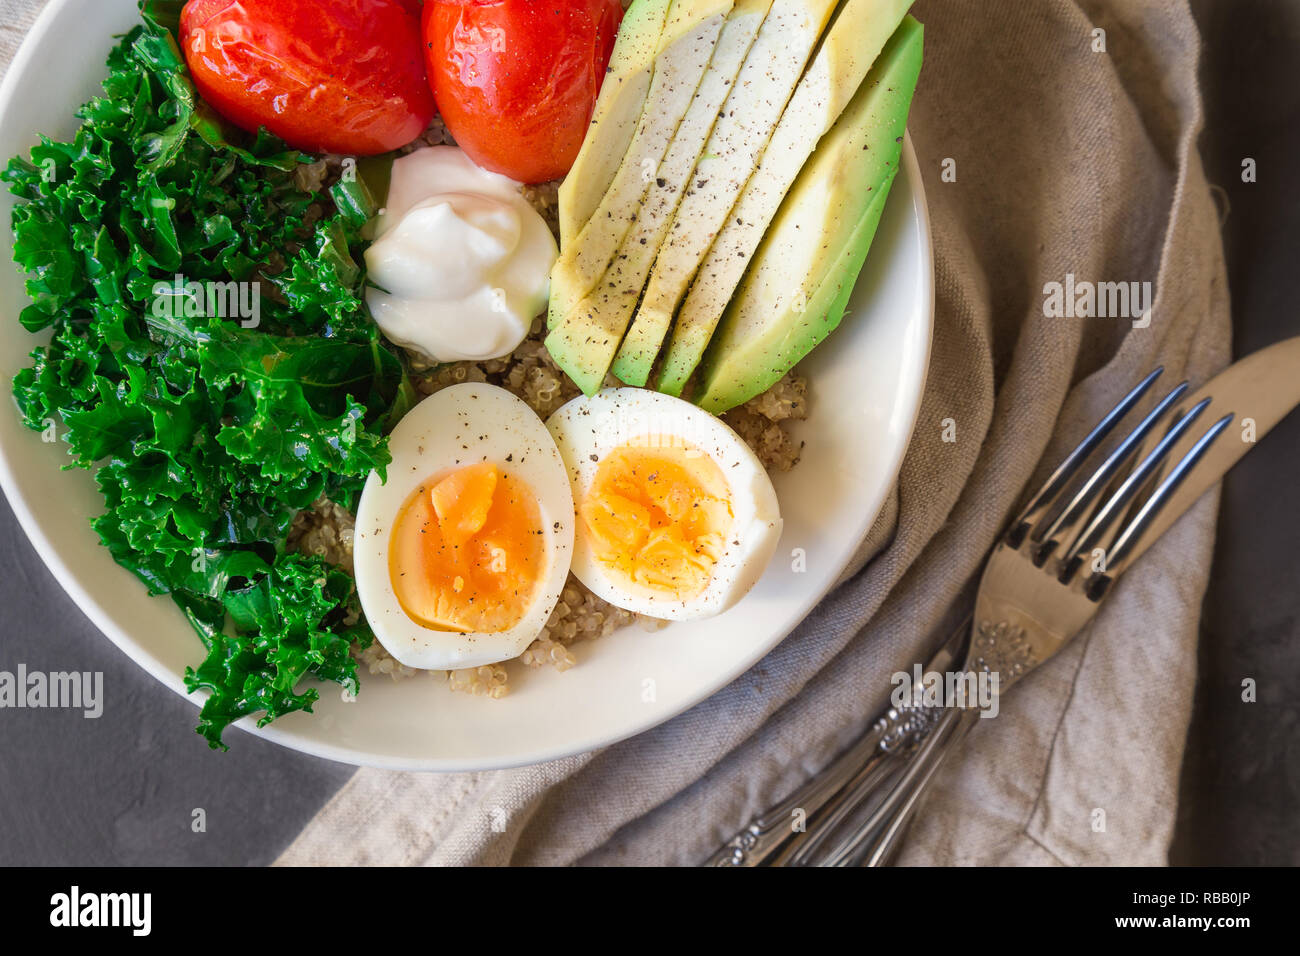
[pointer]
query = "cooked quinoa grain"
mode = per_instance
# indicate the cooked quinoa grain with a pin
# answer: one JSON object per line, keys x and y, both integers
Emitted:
{"x": 545, "y": 198}
{"x": 378, "y": 661}
{"x": 486, "y": 681}
{"x": 327, "y": 531}
{"x": 762, "y": 422}
{"x": 435, "y": 135}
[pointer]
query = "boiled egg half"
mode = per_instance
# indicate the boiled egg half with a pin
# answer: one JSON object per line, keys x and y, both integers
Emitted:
{"x": 676, "y": 516}
{"x": 462, "y": 553}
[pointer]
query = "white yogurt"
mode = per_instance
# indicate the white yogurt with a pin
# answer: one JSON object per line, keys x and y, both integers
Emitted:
{"x": 462, "y": 260}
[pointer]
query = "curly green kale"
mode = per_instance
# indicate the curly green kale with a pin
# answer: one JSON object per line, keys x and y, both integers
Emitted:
{"x": 208, "y": 432}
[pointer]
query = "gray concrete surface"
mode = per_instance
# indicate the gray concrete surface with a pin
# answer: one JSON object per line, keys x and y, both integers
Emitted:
{"x": 1240, "y": 794}
{"x": 123, "y": 788}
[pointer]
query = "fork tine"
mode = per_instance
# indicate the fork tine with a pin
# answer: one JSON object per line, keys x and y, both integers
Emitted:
{"x": 1034, "y": 511}
{"x": 1117, "y": 561}
{"x": 1099, "y": 480}
{"x": 1110, "y": 512}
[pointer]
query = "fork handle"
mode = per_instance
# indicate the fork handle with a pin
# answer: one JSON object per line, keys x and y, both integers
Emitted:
{"x": 875, "y": 840}
{"x": 891, "y": 740}
{"x": 807, "y": 849}
{"x": 764, "y": 838}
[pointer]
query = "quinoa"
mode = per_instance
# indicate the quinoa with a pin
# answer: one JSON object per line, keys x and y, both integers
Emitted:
{"x": 486, "y": 681}
{"x": 435, "y": 135}
{"x": 545, "y": 198}
{"x": 529, "y": 372}
{"x": 763, "y": 422}
{"x": 378, "y": 661}
{"x": 326, "y": 531}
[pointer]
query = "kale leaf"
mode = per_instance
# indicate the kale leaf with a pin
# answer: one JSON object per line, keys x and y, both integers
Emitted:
{"x": 208, "y": 431}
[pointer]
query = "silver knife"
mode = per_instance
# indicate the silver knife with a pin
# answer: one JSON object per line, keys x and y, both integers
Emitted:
{"x": 1260, "y": 390}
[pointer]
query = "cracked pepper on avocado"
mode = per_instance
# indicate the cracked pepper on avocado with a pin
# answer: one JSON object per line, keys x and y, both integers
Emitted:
{"x": 442, "y": 336}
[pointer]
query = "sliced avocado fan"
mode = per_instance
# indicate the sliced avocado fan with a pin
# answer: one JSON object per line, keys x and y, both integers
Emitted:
{"x": 799, "y": 281}
{"x": 610, "y": 304}
{"x": 613, "y": 120}
{"x": 685, "y": 47}
{"x": 847, "y": 52}
{"x": 751, "y": 113}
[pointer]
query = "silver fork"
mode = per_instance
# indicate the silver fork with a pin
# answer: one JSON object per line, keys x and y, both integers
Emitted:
{"x": 1042, "y": 584}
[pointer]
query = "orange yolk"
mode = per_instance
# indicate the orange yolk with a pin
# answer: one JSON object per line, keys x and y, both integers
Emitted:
{"x": 467, "y": 551}
{"x": 658, "y": 516}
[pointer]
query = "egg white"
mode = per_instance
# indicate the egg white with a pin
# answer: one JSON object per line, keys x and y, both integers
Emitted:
{"x": 590, "y": 427}
{"x": 461, "y": 425}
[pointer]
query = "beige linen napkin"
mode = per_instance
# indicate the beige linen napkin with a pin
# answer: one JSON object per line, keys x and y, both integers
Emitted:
{"x": 16, "y": 18}
{"x": 1068, "y": 133}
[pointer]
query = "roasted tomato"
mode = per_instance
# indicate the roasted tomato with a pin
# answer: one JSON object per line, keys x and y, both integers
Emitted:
{"x": 326, "y": 76}
{"x": 516, "y": 80}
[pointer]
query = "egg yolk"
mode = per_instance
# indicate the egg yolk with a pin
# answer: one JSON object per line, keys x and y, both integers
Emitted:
{"x": 468, "y": 551}
{"x": 657, "y": 515}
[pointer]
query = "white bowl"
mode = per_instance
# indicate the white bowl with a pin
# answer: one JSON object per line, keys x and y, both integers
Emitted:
{"x": 865, "y": 384}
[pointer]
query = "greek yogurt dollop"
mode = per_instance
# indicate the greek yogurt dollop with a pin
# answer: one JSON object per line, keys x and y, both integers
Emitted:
{"x": 461, "y": 259}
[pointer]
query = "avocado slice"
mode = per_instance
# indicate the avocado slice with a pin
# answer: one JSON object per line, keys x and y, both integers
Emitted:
{"x": 686, "y": 47}
{"x": 613, "y": 120}
{"x": 611, "y": 302}
{"x": 851, "y": 45}
{"x": 749, "y": 117}
{"x": 799, "y": 281}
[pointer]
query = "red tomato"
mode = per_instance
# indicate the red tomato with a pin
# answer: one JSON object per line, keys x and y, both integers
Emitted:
{"x": 516, "y": 80}
{"x": 326, "y": 76}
